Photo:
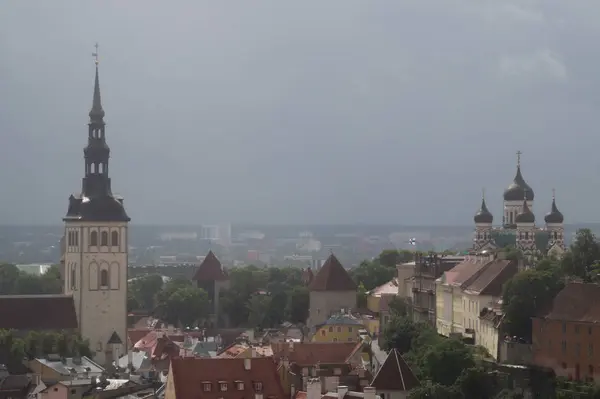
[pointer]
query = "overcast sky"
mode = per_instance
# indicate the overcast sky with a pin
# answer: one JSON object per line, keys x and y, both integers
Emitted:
{"x": 338, "y": 111}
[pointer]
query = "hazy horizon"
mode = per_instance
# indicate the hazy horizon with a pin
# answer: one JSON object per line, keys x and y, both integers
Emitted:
{"x": 344, "y": 112}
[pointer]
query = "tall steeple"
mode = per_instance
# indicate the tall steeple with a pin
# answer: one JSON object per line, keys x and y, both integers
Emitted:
{"x": 96, "y": 201}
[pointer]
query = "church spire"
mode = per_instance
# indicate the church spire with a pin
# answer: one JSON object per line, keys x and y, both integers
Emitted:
{"x": 96, "y": 113}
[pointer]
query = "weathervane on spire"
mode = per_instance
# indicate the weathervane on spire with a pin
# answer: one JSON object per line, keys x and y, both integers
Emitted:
{"x": 519, "y": 153}
{"x": 95, "y": 54}
{"x": 483, "y": 192}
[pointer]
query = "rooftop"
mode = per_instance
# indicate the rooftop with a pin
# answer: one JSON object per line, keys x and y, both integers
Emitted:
{"x": 37, "y": 312}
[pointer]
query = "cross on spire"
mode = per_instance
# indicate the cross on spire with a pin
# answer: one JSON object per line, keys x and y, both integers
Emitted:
{"x": 95, "y": 54}
{"x": 553, "y": 193}
{"x": 483, "y": 192}
{"x": 519, "y": 153}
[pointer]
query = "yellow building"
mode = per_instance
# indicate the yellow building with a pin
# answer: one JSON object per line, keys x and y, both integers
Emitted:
{"x": 374, "y": 296}
{"x": 466, "y": 292}
{"x": 339, "y": 328}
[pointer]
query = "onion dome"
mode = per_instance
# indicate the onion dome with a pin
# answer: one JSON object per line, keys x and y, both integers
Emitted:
{"x": 525, "y": 216}
{"x": 554, "y": 216}
{"x": 518, "y": 189}
{"x": 483, "y": 215}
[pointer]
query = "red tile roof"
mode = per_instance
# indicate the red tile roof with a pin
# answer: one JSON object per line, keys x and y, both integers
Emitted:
{"x": 490, "y": 279}
{"x": 395, "y": 375}
{"x": 300, "y": 395}
{"x": 190, "y": 374}
{"x": 579, "y": 302}
{"x": 311, "y": 353}
{"x": 332, "y": 277}
{"x": 210, "y": 269}
{"x": 37, "y": 312}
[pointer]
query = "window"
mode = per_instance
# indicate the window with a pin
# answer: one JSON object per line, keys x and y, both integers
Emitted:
{"x": 323, "y": 332}
{"x": 206, "y": 386}
{"x": 339, "y": 329}
{"x": 349, "y": 339}
{"x": 258, "y": 386}
{"x": 350, "y": 329}
{"x": 239, "y": 385}
{"x": 104, "y": 278}
{"x": 94, "y": 238}
{"x": 590, "y": 350}
{"x": 563, "y": 346}
{"x": 222, "y": 386}
{"x": 114, "y": 239}
{"x": 104, "y": 239}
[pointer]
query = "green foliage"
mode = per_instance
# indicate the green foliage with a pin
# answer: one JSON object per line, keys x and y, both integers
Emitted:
{"x": 372, "y": 274}
{"x": 392, "y": 257}
{"x": 400, "y": 333}
{"x": 399, "y": 307}
{"x": 526, "y": 294}
{"x": 583, "y": 257}
{"x": 431, "y": 390}
{"x": 15, "y": 282}
{"x": 260, "y": 310}
{"x": 41, "y": 343}
{"x": 361, "y": 296}
{"x": 142, "y": 292}
{"x": 445, "y": 361}
{"x": 297, "y": 305}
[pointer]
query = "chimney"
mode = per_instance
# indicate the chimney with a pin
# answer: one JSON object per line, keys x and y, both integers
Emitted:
{"x": 342, "y": 390}
{"x": 313, "y": 389}
{"x": 247, "y": 364}
{"x": 292, "y": 391}
{"x": 369, "y": 392}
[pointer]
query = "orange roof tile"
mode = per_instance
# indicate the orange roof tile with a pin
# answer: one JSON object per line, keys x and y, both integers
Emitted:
{"x": 311, "y": 353}
{"x": 190, "y": 374}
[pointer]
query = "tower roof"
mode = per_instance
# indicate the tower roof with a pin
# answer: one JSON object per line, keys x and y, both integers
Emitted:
{"x": 525, "y": 216}
{"x": 332, "y": 277}
{"x": 518, "y": 189}
{"x": 210, "y": 269}
{"x": 96, "y": 201}
{"x": 483, "y": 215}
{"x": 395, "y": 375}
{"x": 554, "y": 216}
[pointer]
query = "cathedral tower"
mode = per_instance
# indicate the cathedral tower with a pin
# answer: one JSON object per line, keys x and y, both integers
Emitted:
{"x": 514, "y": 195}
{"x": 483, "y": 225}
{"x": 525, "y": 221}
{"x": 95, "y": 258}
{"x": 554, "y": 226}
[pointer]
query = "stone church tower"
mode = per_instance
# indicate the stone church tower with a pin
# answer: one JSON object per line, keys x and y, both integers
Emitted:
{"x": 95, "y": 257}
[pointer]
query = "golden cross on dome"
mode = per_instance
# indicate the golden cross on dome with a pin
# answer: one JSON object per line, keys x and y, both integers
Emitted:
{"x": 519, "y": 153}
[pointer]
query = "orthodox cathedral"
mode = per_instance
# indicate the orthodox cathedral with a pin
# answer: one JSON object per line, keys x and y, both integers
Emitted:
{"x": 519, "y": 228}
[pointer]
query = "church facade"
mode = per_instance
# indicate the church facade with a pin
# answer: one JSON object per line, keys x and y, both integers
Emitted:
{"x": 95, "y": 254}
{"x": 519, "y": 228}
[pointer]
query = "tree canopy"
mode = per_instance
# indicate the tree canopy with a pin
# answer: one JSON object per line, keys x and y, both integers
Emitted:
{"x": 16, "y": 282}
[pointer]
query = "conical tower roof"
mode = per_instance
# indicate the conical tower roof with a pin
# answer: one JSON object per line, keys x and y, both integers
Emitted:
{"x": 332, "y": 277}
{"x": 554, "y": 216}
{"x": 483, "y": 215}
{"x": 210, "y": 269}
{"x": 395, "y": 375}
{"x": 525, "y": 216}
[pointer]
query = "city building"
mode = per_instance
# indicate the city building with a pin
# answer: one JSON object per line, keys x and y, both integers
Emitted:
{"x": 96, "y": 247}
{"x": 567, "y": 337}
{"x": 331, "y": 290}
{"x": 519, "y": 227}
{"x": 211, "y": 277}
{"x": 341, "y": 327}
{"x": 395, "y": 378}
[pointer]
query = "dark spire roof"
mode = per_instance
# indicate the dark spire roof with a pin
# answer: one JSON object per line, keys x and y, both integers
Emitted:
{"x": 483, "y": 215}
{"x": 518, "y": 189}
{"x": 332, "y": 277}
{"x": 210, "y": 269}
{"x": 96, "y": 202}
{"x": 554, "y": 216}
{"x": 96, "y": 113}
{"x": 395, "y": 375}
{"x": 525, "y": 216}
{"x": 114, "y": 339}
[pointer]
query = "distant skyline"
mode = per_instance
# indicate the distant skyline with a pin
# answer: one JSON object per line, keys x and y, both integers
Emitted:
{"x": 345, "y": 112}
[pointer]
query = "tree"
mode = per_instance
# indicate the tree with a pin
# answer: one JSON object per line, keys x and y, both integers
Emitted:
{"x": 401, "y": 333}
{"x": 583, "y": 257}
{"x": 476, "y": 383}
{"x": 298, "y": 305}
{"x": 445, "y": 361}
{"x": 15, "y": 282}
{"x": 144, "y": 290}
{"x": 372, "y": 274}
{"x": 526, "y": 294}
{"x": 9, "y": 274}
{"x": 361, "y": 296}
{"x": 258, "y": 311}
{"x": 185, "y": 306}
{"x": 398, "y": 307}
{"x": 435, "y": 391}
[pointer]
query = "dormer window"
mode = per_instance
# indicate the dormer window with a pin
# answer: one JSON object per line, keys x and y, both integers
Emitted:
{"x": 239, "y": 385}
{"x": 258, "y": 387}
{"x": 222, "y": 386}
{"x": 206, "y": 386}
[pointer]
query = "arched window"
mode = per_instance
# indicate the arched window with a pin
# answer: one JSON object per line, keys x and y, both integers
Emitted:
{"x": 114, "y": 239}
{"x": 73, "y": 277}
{"x": 104, "y": 239}
{"x": 103, "y": 278}
{"x": 94, "y": 238}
